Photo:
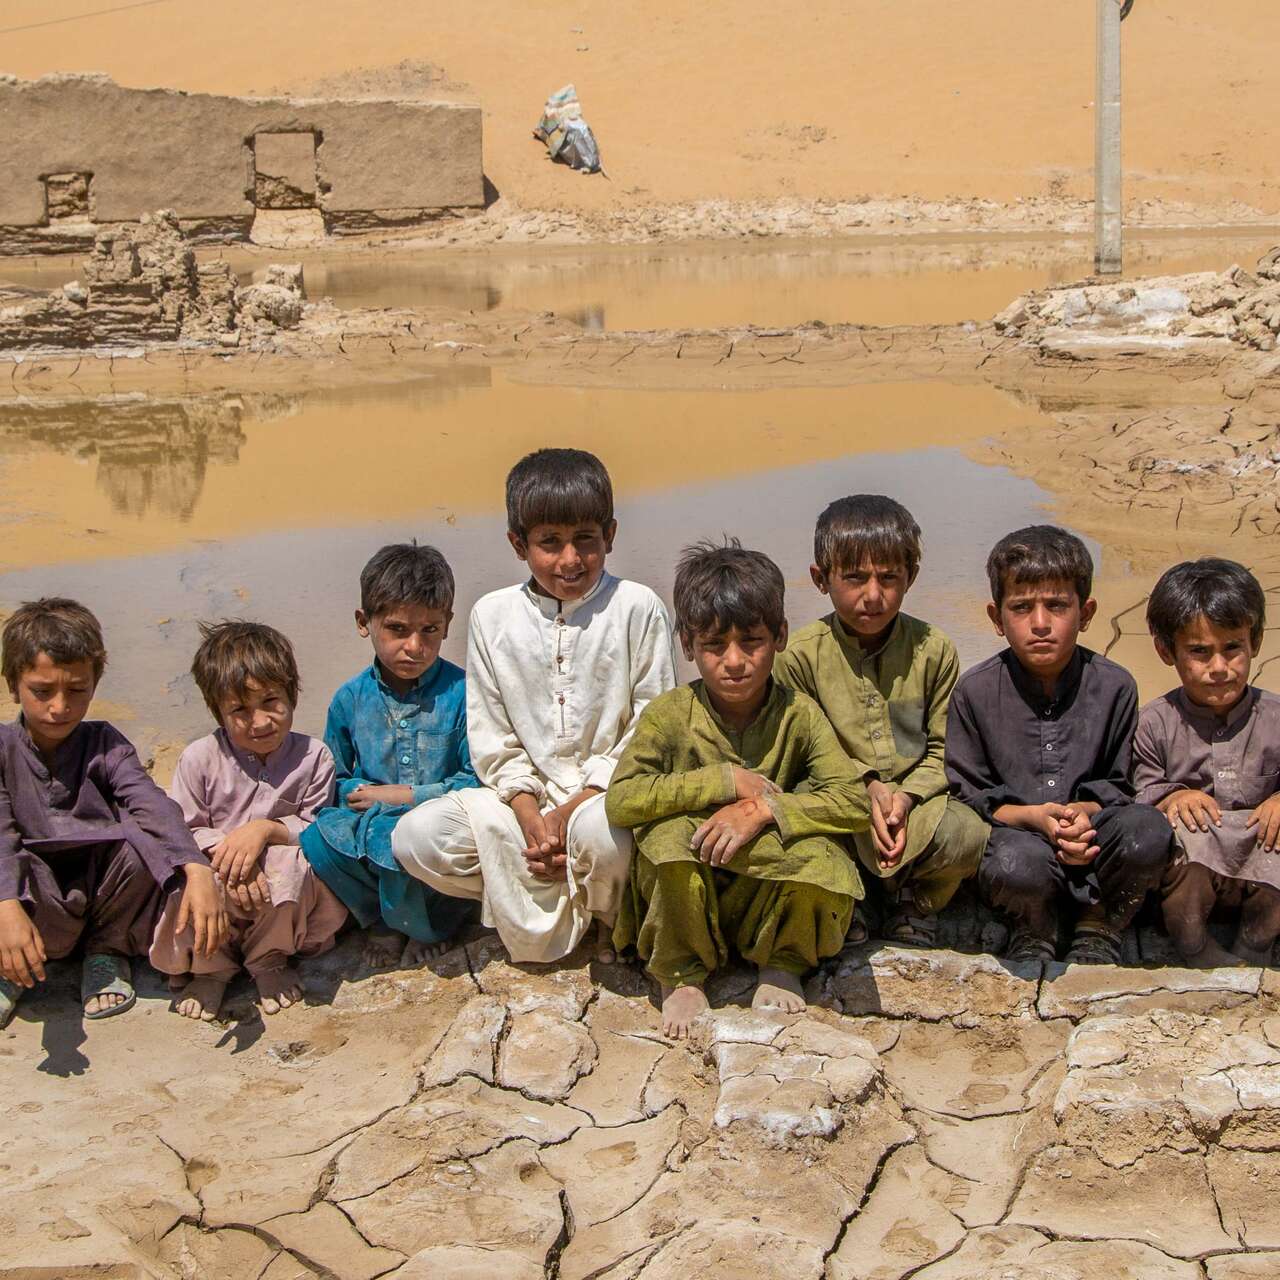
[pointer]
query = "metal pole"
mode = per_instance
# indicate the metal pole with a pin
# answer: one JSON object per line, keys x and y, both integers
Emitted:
{"x": 1107, "y": 218}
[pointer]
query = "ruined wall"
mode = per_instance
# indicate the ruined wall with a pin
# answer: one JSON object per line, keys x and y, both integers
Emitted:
{"x": 82, "y": 149}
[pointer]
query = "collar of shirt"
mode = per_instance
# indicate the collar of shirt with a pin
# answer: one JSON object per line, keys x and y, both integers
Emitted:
{"x": 551, "y": 608}
{"x": 36, "y": 754}
{"x": 855, "y": 648}
{"x": 419, "y": 687}
{"x": 1029, "y": 687}
{"x": 252, "y": 763}
{"x": 776, "y": 694}
{"x": 1207, "y": 720}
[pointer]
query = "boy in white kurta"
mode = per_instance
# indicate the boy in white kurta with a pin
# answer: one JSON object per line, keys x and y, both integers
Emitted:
{"x": 558, "y": 670}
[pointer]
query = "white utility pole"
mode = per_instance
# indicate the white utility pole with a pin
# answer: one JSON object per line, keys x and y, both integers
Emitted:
{"x": 1108, "y": 223}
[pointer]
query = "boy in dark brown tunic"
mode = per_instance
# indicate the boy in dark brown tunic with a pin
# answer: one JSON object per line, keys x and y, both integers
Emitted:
{"x": 1207, "y": 755}
{"x": 1039, "y": 740}
{"x": 88, "y": 843}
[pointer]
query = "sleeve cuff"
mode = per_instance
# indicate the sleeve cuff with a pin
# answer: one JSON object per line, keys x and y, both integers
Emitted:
{"x": 528, "y": 785}
{"x": 426, "y": 791}
{"x": 294, "y": 825}
{"x": 598, "y": 772}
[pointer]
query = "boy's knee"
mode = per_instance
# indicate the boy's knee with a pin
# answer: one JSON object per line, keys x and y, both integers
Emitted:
{"x": 1141, "y": 835}
{"x": 1017, "y": 865}
{"x": 961, "y": 837}
{"x": 591, "y": 837}
{"x": 425, "y": 832}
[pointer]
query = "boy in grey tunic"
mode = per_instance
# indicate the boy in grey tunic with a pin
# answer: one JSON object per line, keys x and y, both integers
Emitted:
{"x": 1207, "y": 754}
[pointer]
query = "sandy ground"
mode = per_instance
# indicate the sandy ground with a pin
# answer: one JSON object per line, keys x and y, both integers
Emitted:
{"x": 750, "y": 102}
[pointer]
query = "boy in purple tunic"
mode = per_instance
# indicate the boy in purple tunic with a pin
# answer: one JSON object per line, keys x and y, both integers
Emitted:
{"x": 248, "y": 792}
{"x": 1207, "y": 755}
{"x": 88, "y": 843}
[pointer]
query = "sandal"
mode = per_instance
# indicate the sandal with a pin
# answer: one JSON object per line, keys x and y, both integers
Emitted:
{"x": 1094, "y": 944}
{"x": 10, "y": 994}
{"x": 105, "y": 976}
{"x": 859, "y": 932}
{"x": 1026, "y": 947}
{"x": 909, "y": 930}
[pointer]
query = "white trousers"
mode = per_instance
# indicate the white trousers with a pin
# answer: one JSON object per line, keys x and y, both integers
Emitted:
{"x": 468, "y": 844}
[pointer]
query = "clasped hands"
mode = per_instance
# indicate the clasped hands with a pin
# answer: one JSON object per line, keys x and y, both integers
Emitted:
{"x": 545, "y": 853}
{"x": 720, "y": 837}
{"x": 236, "y": 860}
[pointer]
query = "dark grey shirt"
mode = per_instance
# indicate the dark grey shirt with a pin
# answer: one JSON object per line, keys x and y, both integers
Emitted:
{"x": 1009, "y": 744}
{"x": 97, "y": 792}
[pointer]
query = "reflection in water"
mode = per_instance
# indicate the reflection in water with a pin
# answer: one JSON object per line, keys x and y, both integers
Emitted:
{"x": 151, "y": 454}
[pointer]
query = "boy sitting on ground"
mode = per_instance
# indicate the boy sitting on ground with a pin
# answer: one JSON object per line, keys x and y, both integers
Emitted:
{"x": 398, "y": 734}
{"x": 1208, "y": 757}
{"x": 247, "y": 792}
{"x": 884, "y": 680}
{"x": 1039, "y": 741}
{"x": 558, "y": 669}
{"x": 729, "y": 856}
{"x": 88, "y": 843}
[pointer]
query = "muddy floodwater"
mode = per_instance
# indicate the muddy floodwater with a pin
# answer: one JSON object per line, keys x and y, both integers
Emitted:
{"x": 161, "y": 511}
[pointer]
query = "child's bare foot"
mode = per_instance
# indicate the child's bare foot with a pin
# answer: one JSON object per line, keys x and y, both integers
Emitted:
{"x": 604, "y": 951}
{"x": 418, "y": 953}
{"x": 202, "y": 998}
{"x": 1211, "y": 956}
{"x": 278, "y": 988}
{"x": 681, "y": 1008}
{"x": 778, "y": 989}
{"x": 382, "y": 948}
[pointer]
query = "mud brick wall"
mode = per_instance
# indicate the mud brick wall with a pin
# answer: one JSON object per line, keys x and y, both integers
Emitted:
{"x": 145, "y": 149}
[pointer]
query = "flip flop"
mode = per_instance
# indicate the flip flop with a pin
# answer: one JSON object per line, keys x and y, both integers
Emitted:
{"x": 10, "y": 994}
{"x": 104, "y": 976}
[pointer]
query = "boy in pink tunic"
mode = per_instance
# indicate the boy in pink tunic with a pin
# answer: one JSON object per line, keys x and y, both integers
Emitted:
{"x": 248, "y": 791}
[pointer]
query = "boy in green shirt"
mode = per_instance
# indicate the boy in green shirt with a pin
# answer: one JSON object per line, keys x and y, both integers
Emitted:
{"x": 729, "y": 856}
{"x": 884, "y": 679}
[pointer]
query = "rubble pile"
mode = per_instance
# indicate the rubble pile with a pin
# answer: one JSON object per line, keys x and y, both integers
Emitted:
{"x": 1238, "y": 305}
{"x": 143, "y": 284}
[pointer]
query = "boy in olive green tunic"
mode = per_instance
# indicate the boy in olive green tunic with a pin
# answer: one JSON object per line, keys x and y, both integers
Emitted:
{"x": 729, "y": 857}
{"x": 884, "y": 680}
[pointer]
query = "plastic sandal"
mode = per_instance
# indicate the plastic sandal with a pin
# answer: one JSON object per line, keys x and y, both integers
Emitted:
{"x": 909, "y": 930}
{"x": 1094, "y": 944}
{"x": 1025, "y": 947}
{"x": 103, "y": 976}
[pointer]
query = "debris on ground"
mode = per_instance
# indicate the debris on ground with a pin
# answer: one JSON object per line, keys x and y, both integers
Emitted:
{"x": 567, "y": 135}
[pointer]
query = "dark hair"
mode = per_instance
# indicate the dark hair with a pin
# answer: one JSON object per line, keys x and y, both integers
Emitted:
{"x": 866, "y": 526}
{"x": 405, "y": 573}
{"x": 1039, "y": 553}
{"x": 233, "y": 652}
{"x": 721, "y": 586}
{"x": 62, "y": 628}
{"x": 558, "y": 486}
{"x": 1221, "y": 590}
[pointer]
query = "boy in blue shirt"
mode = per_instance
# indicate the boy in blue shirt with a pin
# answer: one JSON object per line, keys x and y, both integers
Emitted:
{"x": 398, "y": 733}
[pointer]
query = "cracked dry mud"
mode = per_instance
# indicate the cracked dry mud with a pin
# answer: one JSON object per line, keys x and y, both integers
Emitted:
{"x": 937, "y": 1115}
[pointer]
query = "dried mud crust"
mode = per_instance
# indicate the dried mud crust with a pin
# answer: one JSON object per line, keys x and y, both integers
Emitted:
{"x": 933, "y": 1114}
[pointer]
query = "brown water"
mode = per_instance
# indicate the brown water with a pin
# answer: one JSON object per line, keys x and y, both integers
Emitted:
{"x": 161, "y": 511}
{"x": 927, "y": 280}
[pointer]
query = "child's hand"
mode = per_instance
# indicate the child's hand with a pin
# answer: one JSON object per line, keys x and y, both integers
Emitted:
{"x": 889, "y": 810}
{"x": 1194, "y": 809}
{"x": 1074, "y": 841}
{"x": 728, "y": 829}
{"x": 22, "y": 954}
{"x": 390, "y": 794}
{"x": 1266, "y": 817}
{"x": 236, "y": 858}
{"x": 253, "y": 895}
{"x": 201, "y": 908}
{"x": 544, "y": 857}
{"x": 751, "y": 786}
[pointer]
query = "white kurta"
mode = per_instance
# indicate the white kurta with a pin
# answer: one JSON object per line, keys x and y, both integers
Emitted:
{"x": 553, "y": 693}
